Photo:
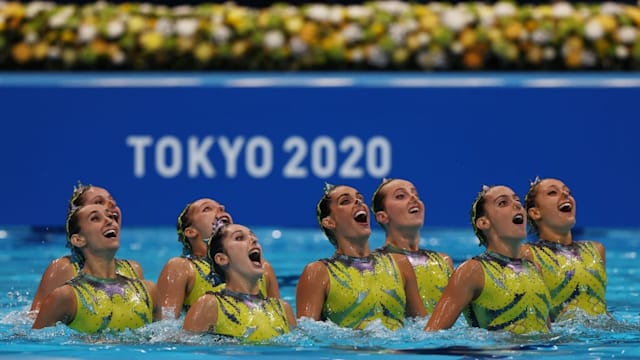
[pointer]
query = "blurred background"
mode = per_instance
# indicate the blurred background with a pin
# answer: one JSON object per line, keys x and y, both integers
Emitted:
{"x": 258, "y": 104}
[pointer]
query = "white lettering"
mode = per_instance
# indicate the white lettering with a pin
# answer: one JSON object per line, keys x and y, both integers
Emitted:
{"x": 323, "y": 145}
{"x": 168, "y": 144}
{"x": 378, "y": 148}
{"x": 262, "y": 144}
{"x": 198, "y": 157}
{"x": 294, "y": 169}
{"x": 139, "y": 143}
{"x": 354, "y": 148}
{"x": 230, "y": 152}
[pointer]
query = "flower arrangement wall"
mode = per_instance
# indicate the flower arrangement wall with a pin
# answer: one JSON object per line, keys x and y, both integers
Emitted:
{"x": 376, "y": 35}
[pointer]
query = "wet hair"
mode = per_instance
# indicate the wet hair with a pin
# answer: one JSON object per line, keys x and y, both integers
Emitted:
{"x": 530, "y": 201}
{"x": 323, "y": 210}
{"x": 182, "y": 223}
{"x": 216, "y": 246}
{"x": 377, "y": 201}
{"x": 76, "y": 201}
{"x": 477, "y": 211}
{"x": 77, "y": 197}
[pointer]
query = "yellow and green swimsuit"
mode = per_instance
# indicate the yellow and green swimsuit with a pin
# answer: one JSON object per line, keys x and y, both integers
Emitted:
{"x": 249, "y": 317}
{"x": 432, "y": 272}
{"x": 574, "y": 274}
{"x": 110, "y": 304}
{"x": 208, "y": 281}
{"x": 514, "y": 297}
{"x": 364, "y": 289}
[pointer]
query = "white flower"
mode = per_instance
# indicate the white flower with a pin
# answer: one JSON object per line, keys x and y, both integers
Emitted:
{"x": 352, "y": 33}
{"x": 217, "y": 19}
{"x": 318, "y": 12}
{"x": 183, "y": 10}
{"x": 593, "y": 30}
{"x": 398, "y": 32}
{"x": 298, "y": 47}
{"x": 456, "y": 47}
{"x": 115, "y": 28}
{"x": 335, "y": 14}
{"x": 622, "y": 52}
{"x": 541, "y": 36}
{"x": 561, "y": 10}
{"x": 31, "y": 37}
{"x": 377, "y": 57}
{"x": 54, "y": 52}
{"x": 504, "y": 9}
{"x": 549, "y": 53}
{"x": 486, "y": 15}
{"x": 273, "y": 39}
{"x": 423, "y": 39}
{"x": 221, "y": 34}
{"x": 165, "y": 26}
{"x": 186, "y": 27}
{"x": 357, "y": 12}
{"x": 357, "y": 55}
{"x": 36, "y": 7}
{"x": 393, "y": 7}
{"x": 60, "y": 18}
{"x": 456, "y": 19}
{"x": 87, "y": 32}
{"x": 627, "y": 34}
{"x": 145, "y": 8}
{"x": 118, "y": 57}
{"x": 611, "y": 8}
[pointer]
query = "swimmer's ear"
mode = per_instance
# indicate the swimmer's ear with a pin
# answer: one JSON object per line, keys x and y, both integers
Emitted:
{"x": 78, "y": 240}
{"x": 328, "y": 223}
{"x": 190, "y": 232}
{"x": 221, "y": 259}
{"x": 483, "y": 223}
{"x": 534, "y": 213}
{"x": 382, "y": 217}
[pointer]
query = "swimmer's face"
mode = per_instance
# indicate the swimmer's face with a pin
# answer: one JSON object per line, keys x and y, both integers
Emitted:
{"x": 241, "y": 253}
{"x": 100, "y": 196}
{"x": 99, "y": 228}
{"x": 402, "y": 205}
{"x": 554, "y": 207}
{"x": 349, "y": 214}
{"x": 504, "y": 214}
{"x": 204, "y": 214}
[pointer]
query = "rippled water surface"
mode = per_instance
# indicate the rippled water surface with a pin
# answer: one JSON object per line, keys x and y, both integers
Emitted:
{"x": 25, "y": 253}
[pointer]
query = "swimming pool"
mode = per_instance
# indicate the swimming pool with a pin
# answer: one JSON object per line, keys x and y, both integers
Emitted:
{"x": 25, "y": 252}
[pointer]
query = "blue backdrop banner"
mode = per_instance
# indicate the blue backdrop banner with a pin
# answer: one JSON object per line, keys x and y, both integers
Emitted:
{"x": 264, "y": 145}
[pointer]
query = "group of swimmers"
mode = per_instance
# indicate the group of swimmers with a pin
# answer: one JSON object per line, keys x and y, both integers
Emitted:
{"x": 222, "y": 283}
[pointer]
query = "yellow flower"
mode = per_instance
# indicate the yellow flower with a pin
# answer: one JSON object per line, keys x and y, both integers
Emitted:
{"x": 151, "y": 41}
{"x": 14, "y": 10}
{"x": 136, "y": 24}
{"x": 513, "y": 30}
{"x": 608, "y": 22}
{"x": 21, "y": 53}
{"x": 204, "y": 52}
{"x": 40, "y": 50}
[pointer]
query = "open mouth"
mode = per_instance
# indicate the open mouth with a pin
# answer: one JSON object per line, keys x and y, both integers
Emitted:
{"x": 361, "y": 216}
{"x": 254, "y": 256}
{"x": 111, "y": 233}
{"x": 518, "y": 219}
{"x": 565, "y": 207}
{"x": 414, "y": 210}
{"x": 223, "y": 219}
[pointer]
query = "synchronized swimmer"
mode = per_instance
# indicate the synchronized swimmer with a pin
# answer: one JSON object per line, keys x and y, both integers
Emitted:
{"x": 223, "y": 284}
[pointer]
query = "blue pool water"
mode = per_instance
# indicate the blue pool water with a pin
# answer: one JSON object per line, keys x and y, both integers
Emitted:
{"x": 25, "y": 252}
